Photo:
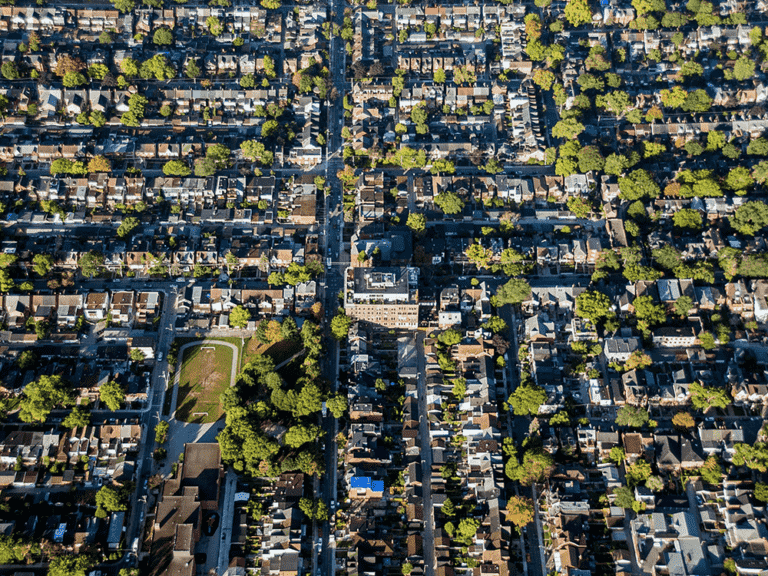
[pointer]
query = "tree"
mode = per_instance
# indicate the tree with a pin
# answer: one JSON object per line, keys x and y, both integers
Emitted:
{"x": 743, "y": 68}
{"x": 239, "y": 317}
{"x": 439, "y": 76}
{"x": 99, "y": 164}
{"x": 616, "y": 164}
{"x": 683, "y": 306}
{"x": 176, "y": 168}
{"x": 590, "y": 159}
{"x": 163, "y": 36}
{"x": 687, "y": 218}
{"x": 711, "y": 471}
{"x": 64, "y": 166}
{"x": 514, "y": 292}
{"x": 739, "y": 179}
{"x": 69, "y": 564}
{"x": 625, "y": 498}
{"x": 520, "y": 511}
{"x": 577, "y": 12}
{"x": 567, "y": 128}
{"x": 750, "y": 217}
{"x": 157, "y": 67}
{"x": 697, "y": 101}
{"x": 449, "y": 203}
{"x": 256, "y": 152}
{"x": 111, "y": 500}
{"x": 441, "y": 166}
{"x": 78, "y": 418}
{"x": 137, "y": 355}
{"x": 7, "y": 260}
{"x": 299, "y": 435}
{"x": 560, "y": 419}
{"x": 761, "y": 492}
{"x": 42, "y": 264}
{"x": 704, "y": 397}
{"x": 112, "y": 395}
{"x": 637, "y": 361}
{"x": 526, "y": 399}
{"x": 543, "y": 78}
{"x": 406, "y": 568}
{"x": 594, "y": 306}
{"x": 637, "y": 185}
{"x": 617, "y": 455}
{"x": 580, "y": 207}
{"x": 9, "y": 70}
{"x": 308, "y": 401}
{"x": 647, "y": 311}
{"x": 127, "y": 226}
{"x": 123, "y": 5}
{"x": 632, "y": 416}
{"x": 42, "y": 396}
{"x": 161, "y": 431}
{"x": 667, "y": 257}
{"x": 269, "y": 127}
{"x": 495, "y": 325}
{"x": 416, "y": 222}
{"x": 340, "y": 325}
{"x": 754, "y": 457}
{"x": 654, "y": 484}
{"x": 90, "y": 263}
{"x": 337, "y": 404}
{"x": 535, "y": 467}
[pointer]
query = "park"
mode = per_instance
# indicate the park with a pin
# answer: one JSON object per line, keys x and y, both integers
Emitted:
{"x": 207, "y": 370}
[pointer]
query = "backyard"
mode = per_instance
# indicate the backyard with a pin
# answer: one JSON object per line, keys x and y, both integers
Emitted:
{"x": 206, "y": 371}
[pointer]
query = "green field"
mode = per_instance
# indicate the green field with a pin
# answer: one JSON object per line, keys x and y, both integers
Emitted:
{"x": 206, "y": 371}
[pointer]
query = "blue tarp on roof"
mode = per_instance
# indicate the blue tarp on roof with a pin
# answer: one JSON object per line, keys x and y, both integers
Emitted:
{"x": 361, "y": 482}
{"x": 377, "y": 486}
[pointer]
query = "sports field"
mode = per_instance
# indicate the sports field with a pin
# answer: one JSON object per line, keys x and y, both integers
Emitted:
{"x": 206, "y": 371}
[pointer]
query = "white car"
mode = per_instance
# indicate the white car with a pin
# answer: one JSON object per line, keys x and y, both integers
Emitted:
{"x": 160, "y": 357}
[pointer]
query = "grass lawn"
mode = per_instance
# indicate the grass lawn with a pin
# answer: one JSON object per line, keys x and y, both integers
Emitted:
{"x": 279, "y": 351}
{"x": 205, "y": 374}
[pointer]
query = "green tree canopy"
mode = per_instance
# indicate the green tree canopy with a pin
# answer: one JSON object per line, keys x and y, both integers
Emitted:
{"x": 754, "y": 457}
{"x": 163, "y": 36}
{"x": 42, "y": 396}
{"x": 647, "y": 311}
{"x": 594, "y": 306}
{"x": 337, "y": 404}
{"x": 69, "y": 564}
{"x": 750, "y": 217}
{"x": 300, "y": 434}
{"x": 111, "y": 500}
{"x": 526, "y": 399}
{"x": 417, "y": 222}
{"x": 705, "y": 397}
{"x": 239, "y": 317}
{"x": 340, "y": 325}
{"x": 632, "y": 416}
{"x": 515, "y": 291}
{"x": 449, "y": 203}
{"x": 112, "y": 395}
{"x": 577, "y": 12}
{"x": 637, "y": 185}
{"x": 79, "y": 417}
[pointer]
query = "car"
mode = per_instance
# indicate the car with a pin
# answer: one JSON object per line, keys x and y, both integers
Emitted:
{"x": 146, "y": 483}
{"x": 160, "y": 357}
